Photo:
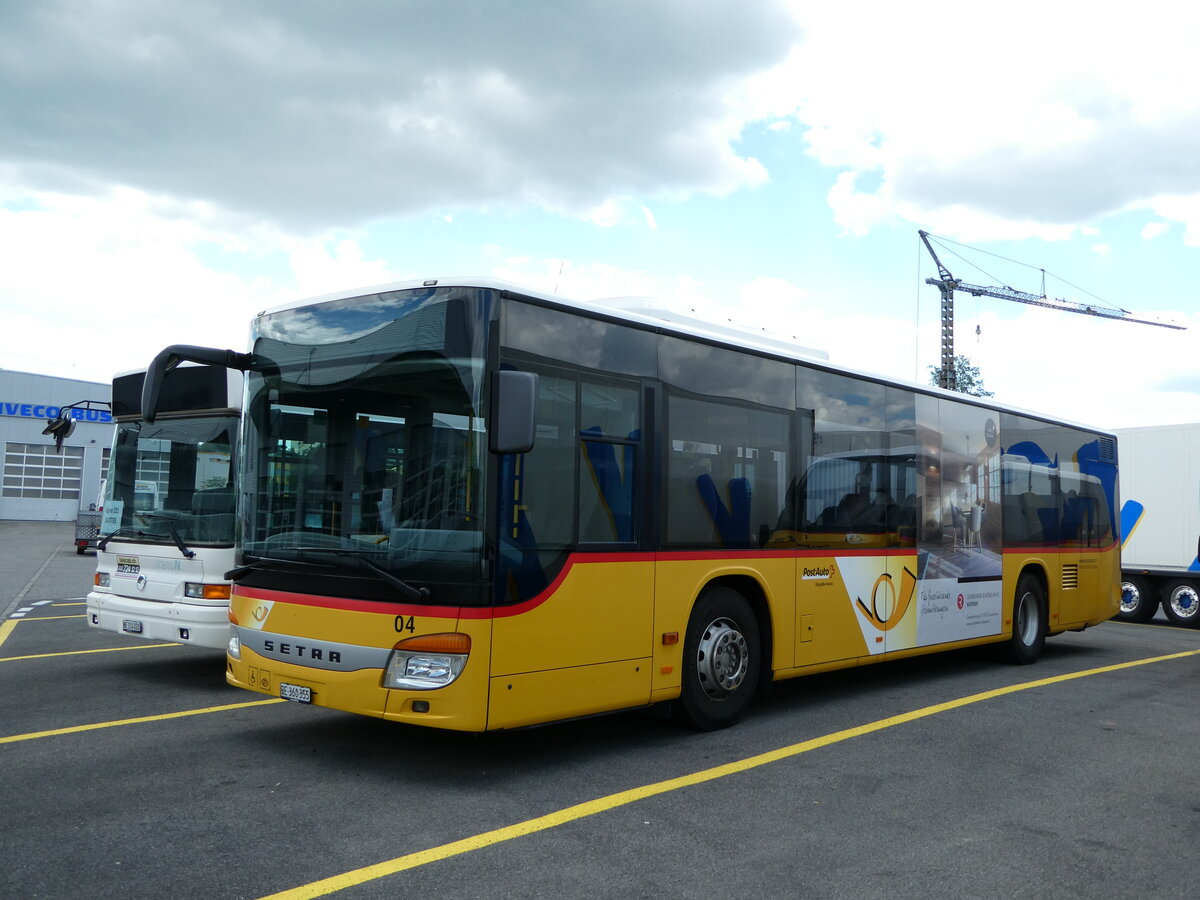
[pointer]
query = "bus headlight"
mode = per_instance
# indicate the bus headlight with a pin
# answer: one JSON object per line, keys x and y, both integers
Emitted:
{"x": 198, "y": 591}
{"x": 102, "y": 579}
{"x": 427, "y": 662}
{"x": 234, "y": 647}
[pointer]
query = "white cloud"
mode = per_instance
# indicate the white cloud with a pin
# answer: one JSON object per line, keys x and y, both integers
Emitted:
{"x": 1184, "y": 209}
{"x": 309, "y": 117}
{"x": 166, "y": 175}
{"x": 94, "y": 286}
{"x": 608, "y": 214}
{"x": 1154, "y": 229}
{"x": 976, "y": 124}
{"x": 321, "y": 266}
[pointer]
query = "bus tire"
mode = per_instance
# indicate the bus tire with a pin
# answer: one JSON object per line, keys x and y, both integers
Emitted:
{"x": 721, "y": 661}
{"x": 1028, "y": 621}
{"x": 1181, "y": 603}
{"x": 1139, "y": 599}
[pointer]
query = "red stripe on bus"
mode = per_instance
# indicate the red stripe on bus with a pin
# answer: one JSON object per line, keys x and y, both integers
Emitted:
{"x": 492, "y": 612}
{"x": 495, "y": 612}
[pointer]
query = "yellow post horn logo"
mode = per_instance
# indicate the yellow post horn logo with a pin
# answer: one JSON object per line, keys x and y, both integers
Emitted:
{"x": 883, "y": 593}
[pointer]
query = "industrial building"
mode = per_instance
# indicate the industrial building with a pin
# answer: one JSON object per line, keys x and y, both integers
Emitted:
{"x": 42, "y": 482}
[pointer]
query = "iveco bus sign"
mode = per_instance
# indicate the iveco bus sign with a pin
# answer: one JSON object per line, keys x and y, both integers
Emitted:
{"x": 45, "y": 411}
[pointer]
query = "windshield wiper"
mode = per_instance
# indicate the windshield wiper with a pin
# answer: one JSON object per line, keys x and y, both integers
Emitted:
{"x": 187, "y": 554}
{"x": 121, "y": 532}
{"x": 412, "y": 592}
{"x": 267, "y": 562}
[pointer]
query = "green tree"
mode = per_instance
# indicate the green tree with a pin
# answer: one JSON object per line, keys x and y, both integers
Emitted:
{"x": 966, "y": 376}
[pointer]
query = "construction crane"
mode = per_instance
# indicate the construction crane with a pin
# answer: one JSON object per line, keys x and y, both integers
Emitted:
{"x": 948, "y": 284}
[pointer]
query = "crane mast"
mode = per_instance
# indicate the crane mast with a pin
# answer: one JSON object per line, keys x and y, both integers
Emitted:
{"x": 947, "y": 284}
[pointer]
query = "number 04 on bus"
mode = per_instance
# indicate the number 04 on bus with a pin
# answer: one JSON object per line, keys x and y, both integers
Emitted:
{"x": 471, "y": 506}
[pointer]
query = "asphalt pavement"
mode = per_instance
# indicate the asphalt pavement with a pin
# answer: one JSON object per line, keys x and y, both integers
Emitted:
{"x": 130, "y": 769}
{"x": 38, "y": 562}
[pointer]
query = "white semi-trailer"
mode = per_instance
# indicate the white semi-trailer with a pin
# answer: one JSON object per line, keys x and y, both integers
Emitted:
{"x": 1160, "y": 523}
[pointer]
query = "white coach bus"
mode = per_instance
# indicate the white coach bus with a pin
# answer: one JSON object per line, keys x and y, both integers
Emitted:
{"x": 167, "y": 532}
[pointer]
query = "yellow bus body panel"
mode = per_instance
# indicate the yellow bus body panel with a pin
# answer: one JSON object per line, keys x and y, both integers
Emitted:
{"x": 461, "y": 705}
{"x": 609, "y": 633}
{"x": 581, "y": 647}
{"x": 535, "y": 697}
{"x": 826, "y": 625}
{"x": 595, "y": 612}
{"x": 1083, "y": 587}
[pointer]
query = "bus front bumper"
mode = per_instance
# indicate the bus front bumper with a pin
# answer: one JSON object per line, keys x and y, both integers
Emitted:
{"x": 153, "y": 620}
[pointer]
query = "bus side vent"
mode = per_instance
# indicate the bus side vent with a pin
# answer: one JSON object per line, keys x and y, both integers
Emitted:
{"x": 1070, "y": 577}
{"x": 1106, "y": 450}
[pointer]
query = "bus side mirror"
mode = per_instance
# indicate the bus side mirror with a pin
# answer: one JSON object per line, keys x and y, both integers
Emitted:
{"x": 170, "y": 357}
{"x": 514, "y": 405}
{"x": 60, "y": 428}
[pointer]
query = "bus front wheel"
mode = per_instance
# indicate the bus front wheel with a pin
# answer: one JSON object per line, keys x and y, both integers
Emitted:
{"x": 722, "y": 661}
{"x": 1029, "y": 621}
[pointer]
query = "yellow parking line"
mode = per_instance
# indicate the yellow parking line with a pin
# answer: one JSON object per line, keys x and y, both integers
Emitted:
{"x": 8, "y": 626}
{"x": 83, "y": 603}
{"x": 45, "y": 618}
{"x": 623, "y": 798}
{"x": 81, "y": 652}
{"x": 75, "y": 729}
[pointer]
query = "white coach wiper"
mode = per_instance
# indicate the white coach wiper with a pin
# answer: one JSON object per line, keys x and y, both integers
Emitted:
{"x": 187, "y": 554}
{"x": 121, "y": 532}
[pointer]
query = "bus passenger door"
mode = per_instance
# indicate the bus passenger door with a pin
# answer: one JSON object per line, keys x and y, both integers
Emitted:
{"x": 573, "y": 634}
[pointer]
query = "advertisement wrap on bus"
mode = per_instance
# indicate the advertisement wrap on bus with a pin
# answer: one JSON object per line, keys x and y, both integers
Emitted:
{"x": 472, "y": 506}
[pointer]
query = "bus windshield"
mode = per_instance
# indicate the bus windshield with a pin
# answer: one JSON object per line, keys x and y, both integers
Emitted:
{"x": 172, "y": 480}
{"x": 364, "y": 434}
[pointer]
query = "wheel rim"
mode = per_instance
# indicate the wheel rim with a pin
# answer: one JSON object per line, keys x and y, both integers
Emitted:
{"x": 1027, "y": 618}
{"x": 1131, "y": 597}
{"x": 1185, "y": 602}
{"x": 722, "y": 659}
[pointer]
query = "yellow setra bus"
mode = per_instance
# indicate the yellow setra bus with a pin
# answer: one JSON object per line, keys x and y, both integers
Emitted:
{"x": 472, "y": 506}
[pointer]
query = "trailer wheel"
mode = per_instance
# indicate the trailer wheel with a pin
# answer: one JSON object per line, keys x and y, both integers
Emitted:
{"x": 1181, "y": 603}
{"x": 1139, "y": 599}
{"x": 721, "y": 661}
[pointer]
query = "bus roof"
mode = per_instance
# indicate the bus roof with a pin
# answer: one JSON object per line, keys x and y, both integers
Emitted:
{"x": 643, "y": 311}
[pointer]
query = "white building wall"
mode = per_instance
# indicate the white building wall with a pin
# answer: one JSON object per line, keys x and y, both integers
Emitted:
{"x": 38, "y": 483}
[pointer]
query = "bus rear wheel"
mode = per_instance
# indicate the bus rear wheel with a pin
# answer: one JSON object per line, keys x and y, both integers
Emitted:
{"x": 1181, "y": 603}
{"x": 1139, "y": 600}
{"x": 722, "y": 661}
{"x": 1028, "y": 621}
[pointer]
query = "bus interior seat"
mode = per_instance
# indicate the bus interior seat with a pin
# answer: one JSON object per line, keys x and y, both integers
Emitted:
{"x": 732, "y": 523}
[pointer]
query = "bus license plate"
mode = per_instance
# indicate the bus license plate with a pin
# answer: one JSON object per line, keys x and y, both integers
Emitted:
{"x": 295, "y": 692}
{"x": 132, "y": 626}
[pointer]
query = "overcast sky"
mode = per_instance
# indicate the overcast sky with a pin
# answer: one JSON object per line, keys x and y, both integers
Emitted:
{"x": 169, "y": 169}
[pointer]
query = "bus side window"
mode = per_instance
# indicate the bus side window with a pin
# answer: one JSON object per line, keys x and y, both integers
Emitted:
{"x": 609, "y": 435}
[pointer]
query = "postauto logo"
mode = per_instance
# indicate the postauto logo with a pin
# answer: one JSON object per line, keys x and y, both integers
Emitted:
{"x": 45, "y": 411}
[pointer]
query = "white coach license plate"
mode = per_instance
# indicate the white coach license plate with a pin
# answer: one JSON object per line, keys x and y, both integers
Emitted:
{"x": 296, "y": 692}
{"x": 133, "y": 626}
